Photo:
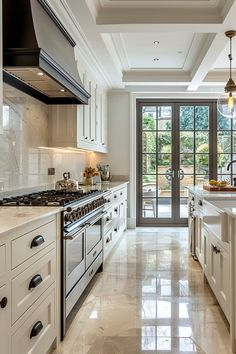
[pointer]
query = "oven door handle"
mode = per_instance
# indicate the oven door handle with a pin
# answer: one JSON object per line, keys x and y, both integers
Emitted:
{"x": 75, "y": 234}
{"x": 94, "y": 220}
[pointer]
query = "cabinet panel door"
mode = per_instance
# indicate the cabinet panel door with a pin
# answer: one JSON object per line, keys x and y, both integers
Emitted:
{"x": 207, "y": 255}
{"x": 104, "y": 121}
{"x": 214, "y": 267}
{"x": 92, "y": 90}
{"x": 98, "y": 115}
{"x": 5, "y": 321}
{"x": 224, "y": 281}
{"x": 86, "y": 111}
{"x": 198, "y": 237}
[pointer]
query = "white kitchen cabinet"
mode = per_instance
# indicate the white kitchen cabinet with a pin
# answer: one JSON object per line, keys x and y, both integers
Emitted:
{"x": 30, "y": 271}
{"x": 79, "y": 126}
{"x": 217, "y": 270}
{"x": 207, "y": 255}
{"x": 199, "y": 239}
{"x": 115, "y": 219}
{"x": 5, "y": 319}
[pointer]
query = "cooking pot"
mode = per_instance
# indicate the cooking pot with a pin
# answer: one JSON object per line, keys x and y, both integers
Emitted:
{"x": 67, "y": 184}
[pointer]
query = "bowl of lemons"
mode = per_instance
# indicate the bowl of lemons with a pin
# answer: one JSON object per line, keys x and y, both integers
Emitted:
{"x": 215, "y": 183}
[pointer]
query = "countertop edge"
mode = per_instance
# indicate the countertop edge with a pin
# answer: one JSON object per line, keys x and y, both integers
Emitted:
{"x": 22, "y": 211}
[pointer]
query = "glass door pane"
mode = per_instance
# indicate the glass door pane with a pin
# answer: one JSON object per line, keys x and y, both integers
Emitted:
{"x": 194, "y": 150}
{"x": 156, "y": 165}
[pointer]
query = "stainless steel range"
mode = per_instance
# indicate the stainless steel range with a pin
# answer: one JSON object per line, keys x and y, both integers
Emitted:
{"x": 81, "y": 241}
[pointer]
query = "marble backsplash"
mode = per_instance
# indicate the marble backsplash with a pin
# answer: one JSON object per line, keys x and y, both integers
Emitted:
{"x": 24, "y": 161}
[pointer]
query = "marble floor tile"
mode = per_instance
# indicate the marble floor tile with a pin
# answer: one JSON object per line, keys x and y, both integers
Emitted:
{"x": 151, "y": 298}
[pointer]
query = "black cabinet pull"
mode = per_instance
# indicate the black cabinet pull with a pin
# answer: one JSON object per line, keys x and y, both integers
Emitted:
{"x": 3, "y": 302}
{"x": 92, "y": 139}
{"x": 35, "y": 281}
{"x": 116, "y": 229}
{"x": 116, "y": 210}
{"x": 37, "y": 328}
{"x": 37, "y": 241}
{"x": 115, "y": 196}
{"x": 215, "y": 249}
{"x": 108, "y": 240}
{"x": 200, "y": 202}
{"x": 86, "y": 138}
{"x": 108, "y": 219}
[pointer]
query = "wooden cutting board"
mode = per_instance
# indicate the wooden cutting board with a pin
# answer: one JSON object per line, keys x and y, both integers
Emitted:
{"x": 210, "y": 188}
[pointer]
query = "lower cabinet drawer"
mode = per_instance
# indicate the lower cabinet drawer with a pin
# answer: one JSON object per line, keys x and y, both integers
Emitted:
{"x": 30, "y": 284}
{"x": 93, "y": 254}
{"x": 37, "y": 333}
{"x": 32, "y": 242}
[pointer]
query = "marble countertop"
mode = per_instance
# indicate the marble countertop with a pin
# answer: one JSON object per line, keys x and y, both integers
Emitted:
{"x": 105, "y": 186}
{"x": 211, "y": 195}
{"x": 14, "y": 217}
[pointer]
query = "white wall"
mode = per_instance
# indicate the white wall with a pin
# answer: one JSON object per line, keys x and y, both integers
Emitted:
{"x": 118, "y": 156}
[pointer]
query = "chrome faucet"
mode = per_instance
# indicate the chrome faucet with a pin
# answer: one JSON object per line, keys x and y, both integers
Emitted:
{"x": 228, "y": 166}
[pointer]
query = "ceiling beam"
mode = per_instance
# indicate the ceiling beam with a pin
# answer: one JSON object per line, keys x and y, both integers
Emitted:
{"x": 211, "y": 50}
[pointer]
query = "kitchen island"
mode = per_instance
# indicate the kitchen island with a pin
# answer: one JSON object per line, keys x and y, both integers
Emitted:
{"x": 213, "y": 215}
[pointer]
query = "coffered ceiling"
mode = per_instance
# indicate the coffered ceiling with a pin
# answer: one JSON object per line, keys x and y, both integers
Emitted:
{"x": 156, "y": 45}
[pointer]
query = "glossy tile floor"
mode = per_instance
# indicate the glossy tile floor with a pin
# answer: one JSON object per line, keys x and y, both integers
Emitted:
{"x": 151, "y": 298}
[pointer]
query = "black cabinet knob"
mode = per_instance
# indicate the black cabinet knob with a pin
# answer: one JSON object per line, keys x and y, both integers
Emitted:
{"x": 200, "y": 202}
{"x": 3, "y": 302}
{"x": 37, "y": 241}
{"x": 35, "y": 281}
{"x": 37, "y": 328}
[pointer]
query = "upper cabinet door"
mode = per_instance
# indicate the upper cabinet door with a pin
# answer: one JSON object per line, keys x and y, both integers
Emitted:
{"x": 86, "y": 112}
{"x": 99, "y": 115}
{"x": 93, "y": 137}
{"x": 104, "y": 121}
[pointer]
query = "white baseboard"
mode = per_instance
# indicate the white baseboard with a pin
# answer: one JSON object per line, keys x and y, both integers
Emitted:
{"x": 131, "y": 223}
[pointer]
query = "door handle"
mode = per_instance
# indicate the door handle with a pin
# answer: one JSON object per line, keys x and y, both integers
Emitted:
{"x": 170, "y": 174}
{"x": 180, "y": 174}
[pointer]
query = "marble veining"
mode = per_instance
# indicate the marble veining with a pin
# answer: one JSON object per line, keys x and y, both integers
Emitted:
{"x": 24, "y": 161}
{"x": 14, "y": 217}
{"x": 151, "y": 298}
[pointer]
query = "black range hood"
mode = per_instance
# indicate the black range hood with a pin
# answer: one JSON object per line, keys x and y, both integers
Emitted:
{"x": 38, "y": 53}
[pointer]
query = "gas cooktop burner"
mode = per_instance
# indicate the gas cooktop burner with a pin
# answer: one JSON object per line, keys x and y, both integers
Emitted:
{"x": 48, "y": 198}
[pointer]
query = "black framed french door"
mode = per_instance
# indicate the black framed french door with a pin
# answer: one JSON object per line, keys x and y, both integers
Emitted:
{"x": 174, "y": 151}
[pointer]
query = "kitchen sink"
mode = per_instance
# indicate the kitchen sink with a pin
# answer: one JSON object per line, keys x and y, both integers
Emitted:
{"x": 215, "y": 217}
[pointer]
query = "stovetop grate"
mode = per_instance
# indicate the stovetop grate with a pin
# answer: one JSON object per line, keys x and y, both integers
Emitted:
{"x": 48, "y": 198}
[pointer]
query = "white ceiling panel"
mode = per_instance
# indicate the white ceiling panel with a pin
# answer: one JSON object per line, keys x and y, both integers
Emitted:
{"x": 172, "y": 50}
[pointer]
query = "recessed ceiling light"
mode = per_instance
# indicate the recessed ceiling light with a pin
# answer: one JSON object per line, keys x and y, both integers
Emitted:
{"x": 156, "y": 59}
{"x": 40, "y": 73}
{"x": 62, "y": 90}
{"x": 156, "y": 42}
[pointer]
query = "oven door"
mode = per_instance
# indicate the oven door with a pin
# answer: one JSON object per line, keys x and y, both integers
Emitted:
{"x": 75, "y": 257}
{"x": 93, "y": 239}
